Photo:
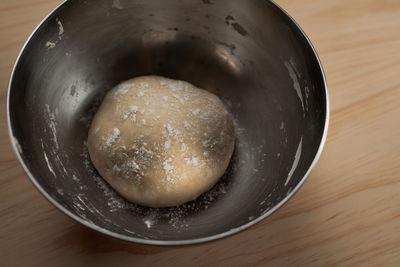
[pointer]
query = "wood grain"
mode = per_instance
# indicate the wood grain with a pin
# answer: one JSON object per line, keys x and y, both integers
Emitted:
{"x": 347, "y": 213}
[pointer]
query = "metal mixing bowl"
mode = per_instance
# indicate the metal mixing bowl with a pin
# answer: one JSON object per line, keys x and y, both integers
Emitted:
{"x": 249, "y": 53}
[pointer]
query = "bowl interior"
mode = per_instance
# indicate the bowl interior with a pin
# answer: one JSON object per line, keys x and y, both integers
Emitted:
{"x": 249, "y": 53}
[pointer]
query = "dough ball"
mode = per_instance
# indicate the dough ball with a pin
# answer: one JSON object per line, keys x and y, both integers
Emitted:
{"x": 161, "y": 142}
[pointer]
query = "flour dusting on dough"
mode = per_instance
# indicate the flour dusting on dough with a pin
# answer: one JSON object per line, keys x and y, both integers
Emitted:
{"x": 111, "y": 139}
{"x": 169, "y": 129}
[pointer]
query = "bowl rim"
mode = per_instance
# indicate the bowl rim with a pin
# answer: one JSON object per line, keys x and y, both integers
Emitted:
{"x": 230, "y": 232}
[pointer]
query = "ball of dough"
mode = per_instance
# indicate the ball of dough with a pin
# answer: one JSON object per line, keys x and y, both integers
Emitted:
{"x": 161, "y": 142}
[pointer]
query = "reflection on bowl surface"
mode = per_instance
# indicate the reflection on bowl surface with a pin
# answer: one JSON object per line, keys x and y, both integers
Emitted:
{"x": 249, "y": 53}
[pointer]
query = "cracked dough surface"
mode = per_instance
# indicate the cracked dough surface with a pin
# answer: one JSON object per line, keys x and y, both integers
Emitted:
{"x": 161, "y": 142}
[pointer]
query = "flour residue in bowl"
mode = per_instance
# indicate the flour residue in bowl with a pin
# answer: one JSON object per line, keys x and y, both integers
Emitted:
{"x": 50, "y": 44}
{"x": 174, "y": 216}
{"x": 17, "y": 145}
{"x": 295, "y": 162}
{"x": 117, "y": 4}
{"x": 60, "y": 29}
{"x": 295, "y": 75}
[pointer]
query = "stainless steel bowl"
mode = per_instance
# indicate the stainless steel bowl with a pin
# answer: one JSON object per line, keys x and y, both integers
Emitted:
{"x": 250, "y": 53}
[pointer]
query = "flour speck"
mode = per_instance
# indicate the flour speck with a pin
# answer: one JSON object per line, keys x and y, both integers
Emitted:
{"x": 111, "y": 139}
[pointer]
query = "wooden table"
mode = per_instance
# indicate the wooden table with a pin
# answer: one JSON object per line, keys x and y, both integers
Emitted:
{"x": 347, "y": 213}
